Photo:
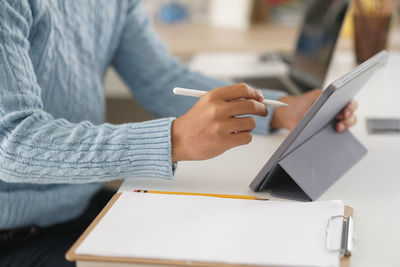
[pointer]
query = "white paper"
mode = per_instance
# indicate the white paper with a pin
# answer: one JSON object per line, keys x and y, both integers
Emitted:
{"x": 197, "y": 228}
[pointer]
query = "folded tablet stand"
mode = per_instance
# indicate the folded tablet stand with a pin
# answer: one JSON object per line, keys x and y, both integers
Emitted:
{"x": 307, "y": 171}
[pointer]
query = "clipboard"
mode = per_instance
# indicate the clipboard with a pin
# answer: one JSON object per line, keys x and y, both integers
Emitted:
{"x": 72, "y": 256}
{"x": 314, "y": 155}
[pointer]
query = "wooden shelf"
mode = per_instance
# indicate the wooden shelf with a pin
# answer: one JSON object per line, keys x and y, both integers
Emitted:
{"x": 187, "y": 39}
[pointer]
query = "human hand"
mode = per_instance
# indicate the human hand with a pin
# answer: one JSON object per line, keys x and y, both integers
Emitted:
{"x": 288, "y": 117}
{"x": 211, "y": 127}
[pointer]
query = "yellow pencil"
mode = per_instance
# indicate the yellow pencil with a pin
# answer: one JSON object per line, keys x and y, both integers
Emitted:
{"x": 200, "y": 194}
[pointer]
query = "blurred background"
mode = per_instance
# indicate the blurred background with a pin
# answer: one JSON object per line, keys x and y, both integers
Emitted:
{"x": 190, "y": 27}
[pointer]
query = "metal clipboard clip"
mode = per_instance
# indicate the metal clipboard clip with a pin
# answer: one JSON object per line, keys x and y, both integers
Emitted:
{"x": 347, "y": 236}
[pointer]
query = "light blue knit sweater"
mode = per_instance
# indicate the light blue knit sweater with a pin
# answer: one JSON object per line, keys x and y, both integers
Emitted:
{"x": 55, "y": 149}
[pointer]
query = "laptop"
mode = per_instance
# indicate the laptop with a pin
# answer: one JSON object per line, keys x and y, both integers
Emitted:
{"x": 309, "y": 65}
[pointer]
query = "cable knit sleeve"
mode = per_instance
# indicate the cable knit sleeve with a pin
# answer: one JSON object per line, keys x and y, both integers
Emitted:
{"x": 152, "y": 72}
{"x": 37, "y": 148}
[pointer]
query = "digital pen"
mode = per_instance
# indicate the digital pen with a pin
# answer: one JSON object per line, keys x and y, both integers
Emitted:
{"x": 199, "y": 93}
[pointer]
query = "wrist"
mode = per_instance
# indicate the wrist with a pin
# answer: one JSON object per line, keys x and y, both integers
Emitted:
{"x": 277, "y": 120}
{"x": 274, "y": 124}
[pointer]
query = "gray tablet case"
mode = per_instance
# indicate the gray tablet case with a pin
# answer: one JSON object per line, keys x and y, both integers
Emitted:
{"x": 314, "y": 155}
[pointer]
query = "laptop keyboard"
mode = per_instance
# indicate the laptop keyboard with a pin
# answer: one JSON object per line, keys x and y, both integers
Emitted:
{"x": 273, "y": 83}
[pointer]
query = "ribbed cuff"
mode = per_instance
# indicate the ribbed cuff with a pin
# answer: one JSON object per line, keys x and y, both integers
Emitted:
{"x": 154, "y": 157}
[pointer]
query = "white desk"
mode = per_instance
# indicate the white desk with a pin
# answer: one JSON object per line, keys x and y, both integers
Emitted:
{"x": 372, "y": 187}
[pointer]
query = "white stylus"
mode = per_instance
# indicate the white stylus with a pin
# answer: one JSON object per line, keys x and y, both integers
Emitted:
{"x": 199, "y": 93}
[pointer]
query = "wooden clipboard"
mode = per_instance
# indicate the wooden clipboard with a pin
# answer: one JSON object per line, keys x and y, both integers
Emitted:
{"x": 72, "y": 256}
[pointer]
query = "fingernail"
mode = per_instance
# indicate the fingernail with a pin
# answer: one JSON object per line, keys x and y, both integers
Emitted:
{"x": 260, "y": 94}
{"x": 340, "y": 127}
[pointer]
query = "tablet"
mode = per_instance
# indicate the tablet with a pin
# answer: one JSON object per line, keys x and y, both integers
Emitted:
{"x": 323, "y": 112}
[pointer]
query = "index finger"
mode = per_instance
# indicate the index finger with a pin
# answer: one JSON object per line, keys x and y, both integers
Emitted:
{"x": 236, "y": 91}
{"x": 352, "y": 106}
{"x": 348, "y": 110}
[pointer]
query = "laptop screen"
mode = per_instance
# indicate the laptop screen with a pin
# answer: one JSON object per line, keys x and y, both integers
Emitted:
{"x": 316, "y": 42}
